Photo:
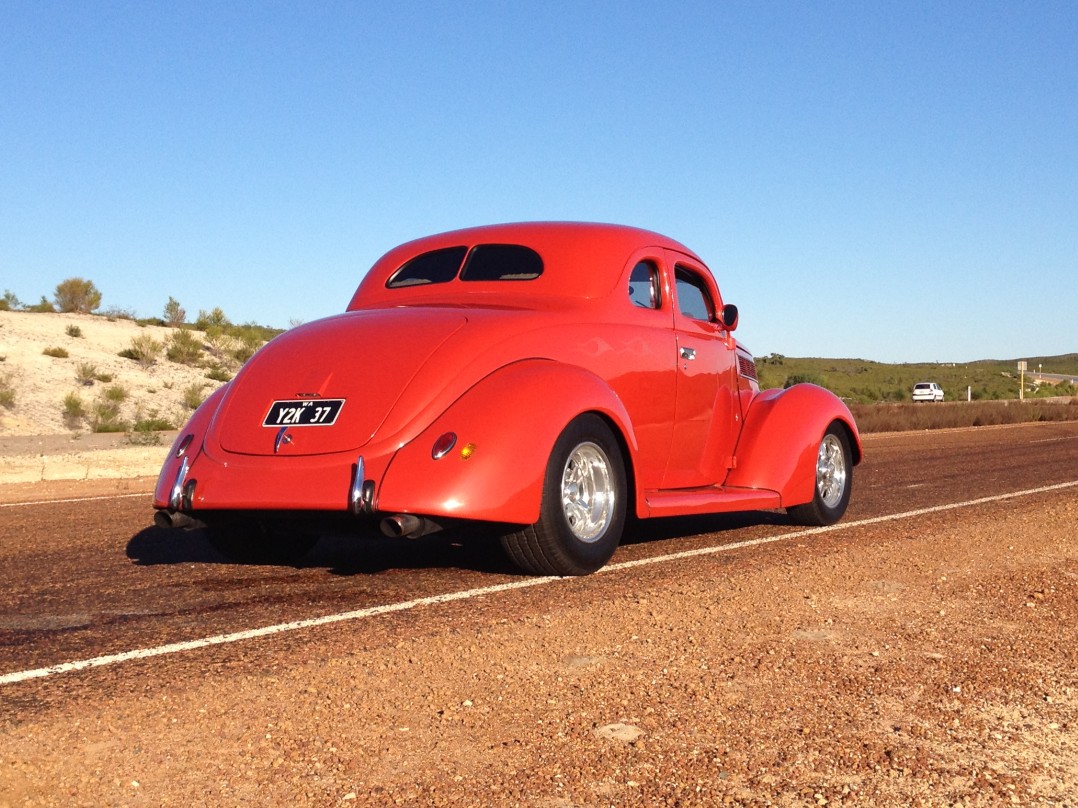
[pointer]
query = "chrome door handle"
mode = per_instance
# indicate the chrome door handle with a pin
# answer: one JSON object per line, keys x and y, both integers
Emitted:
{"x": 688, "y": 353}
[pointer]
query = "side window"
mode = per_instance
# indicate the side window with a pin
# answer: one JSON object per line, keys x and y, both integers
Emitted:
{"x": 644, "y": 286}
{"x": 693, "y": 299}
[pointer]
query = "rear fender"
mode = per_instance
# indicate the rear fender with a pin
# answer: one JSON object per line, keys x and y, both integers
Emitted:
{"x": 506, "y": 426}
{"x": 197, "y": 427}
{"x": 781, "y": 437}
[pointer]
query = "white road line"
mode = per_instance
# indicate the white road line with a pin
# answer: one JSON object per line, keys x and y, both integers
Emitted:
{"x": 524, "y": 583}
{"x": 146, "y": 494}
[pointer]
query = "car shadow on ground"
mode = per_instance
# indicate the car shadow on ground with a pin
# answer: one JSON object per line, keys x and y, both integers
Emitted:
{"x": 366, "y": 553}
{"x": 642, "y": 531}
{"x": 469, "y": 547}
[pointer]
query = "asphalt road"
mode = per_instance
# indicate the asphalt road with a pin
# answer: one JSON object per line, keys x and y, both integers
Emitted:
{"x": 932, "y": 550}
{"x": 88, "y": 578}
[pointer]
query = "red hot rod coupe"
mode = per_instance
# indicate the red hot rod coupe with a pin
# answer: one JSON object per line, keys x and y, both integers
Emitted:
{"x": 552, "y": 379}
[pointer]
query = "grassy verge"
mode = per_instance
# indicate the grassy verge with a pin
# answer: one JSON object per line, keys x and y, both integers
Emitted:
{"x": 949, "y": 415}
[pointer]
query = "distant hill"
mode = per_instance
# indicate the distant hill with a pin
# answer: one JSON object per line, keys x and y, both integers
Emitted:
{"x": 865, "y": 381}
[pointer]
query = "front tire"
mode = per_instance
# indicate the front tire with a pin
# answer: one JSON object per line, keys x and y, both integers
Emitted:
{"x": 834, "y": 481}
{"x": 582, "y": 515}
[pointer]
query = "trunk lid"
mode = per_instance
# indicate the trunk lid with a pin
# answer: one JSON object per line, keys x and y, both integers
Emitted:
{"x": 363, "y": 359}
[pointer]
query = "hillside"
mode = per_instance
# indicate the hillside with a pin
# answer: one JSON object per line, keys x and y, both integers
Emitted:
{"x": 116, "y": 393}
{"x": 51, "y": 364}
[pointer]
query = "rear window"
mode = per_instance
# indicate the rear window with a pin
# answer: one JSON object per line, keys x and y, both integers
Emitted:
{"x": 502, "y": 262}
{"x": 485, "y": 262}
{"x": 436, "y": 266}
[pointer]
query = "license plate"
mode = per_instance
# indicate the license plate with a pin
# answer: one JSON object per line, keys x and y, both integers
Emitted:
{"x": 311, "y": 412}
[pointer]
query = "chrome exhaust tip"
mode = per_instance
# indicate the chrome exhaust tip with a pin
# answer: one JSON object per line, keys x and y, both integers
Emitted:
{"x": 407, "y": 526}
{"x": 169, "y": 520}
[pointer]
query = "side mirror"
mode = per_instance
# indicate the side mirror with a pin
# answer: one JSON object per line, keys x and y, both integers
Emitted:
{"x": 729, "y": 316}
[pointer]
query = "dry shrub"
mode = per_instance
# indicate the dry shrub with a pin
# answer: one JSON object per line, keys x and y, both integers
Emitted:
{"x": 7, "y": 390}
{"x": 144, "y": 349}
{"x": 74, "y": 410}
{"x": 951, "y": 415}
{"x": 184, "y": 348}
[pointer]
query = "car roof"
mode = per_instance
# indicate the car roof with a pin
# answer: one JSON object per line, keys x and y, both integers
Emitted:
{"x": 581, "y": 260}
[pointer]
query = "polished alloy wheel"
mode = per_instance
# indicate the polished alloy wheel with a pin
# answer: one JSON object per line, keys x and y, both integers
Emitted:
{"x": 831, "y": 471}
{"x": 588, "y": 492}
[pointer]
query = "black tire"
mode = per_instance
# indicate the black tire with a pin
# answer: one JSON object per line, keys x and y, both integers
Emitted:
{"x": 582, "y": 516}
{"x": 834, "y": 481}
{"x": 255, "y": 542}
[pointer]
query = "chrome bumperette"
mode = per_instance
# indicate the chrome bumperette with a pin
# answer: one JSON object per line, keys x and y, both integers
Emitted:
{"x": 361, "y": 495}
{"x": 175, "y": 495}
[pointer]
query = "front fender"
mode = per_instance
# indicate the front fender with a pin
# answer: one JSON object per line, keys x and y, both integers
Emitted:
{"x": 780, "y": 439}
{"x": 509, "y": 422}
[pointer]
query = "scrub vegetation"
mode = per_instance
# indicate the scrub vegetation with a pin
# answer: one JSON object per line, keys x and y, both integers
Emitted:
{"x": 861, "y": 381}
{"x": 7, "y": 390}
{"x": 212, "y": 344}
{"x": 877, "y": 393}
{"x": 959, "y": 414}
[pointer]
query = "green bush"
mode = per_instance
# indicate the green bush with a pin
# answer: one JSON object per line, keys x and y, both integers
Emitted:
{"x": 219, "y": 374}
{"x": 219, "y": 342}
{"x": 145, "y": 429}
{"x": 73, "y": 405}
{"x": 74, "y": 331}
{"x": 117, "y": 393}
{"x": 246, "y": 340}
{"x": 804, "y": 378}
{"x": 105, "y": 417}
{"x": 213, "y": 319}
{"x": 144, "y": 349}
{"x": 77, "y": 295}
{"x": 153, "y": 423}
{"x": 85, "y": 373}
{"x": 7, "y": 390}
{"x": 74, "y": 410}
{"x": 44, "y": 307}
{"x": 184, "y": 348}
{"x": 193, "y": 397}
{"x": 175, "y": 314}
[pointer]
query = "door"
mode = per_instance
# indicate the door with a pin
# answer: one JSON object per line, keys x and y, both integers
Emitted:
{"x": 707, "y": 418}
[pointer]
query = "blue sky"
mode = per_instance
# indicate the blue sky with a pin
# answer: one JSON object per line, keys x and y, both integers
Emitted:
{"x": 891, "y": 181}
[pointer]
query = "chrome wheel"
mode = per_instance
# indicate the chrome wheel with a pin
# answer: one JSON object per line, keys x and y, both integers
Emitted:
{"x": 582, "y": 515}
{"x": 588, "y": 492}
{"x": 831, "y": 471}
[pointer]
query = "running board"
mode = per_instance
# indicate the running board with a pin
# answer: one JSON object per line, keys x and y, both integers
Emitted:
{"x": 690, "y": 501}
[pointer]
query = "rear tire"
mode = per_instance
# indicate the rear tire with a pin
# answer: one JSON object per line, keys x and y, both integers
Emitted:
{"x": 582, "y": 515}
{"x": 256, "y": 542}
{"x": 834, "y": 481}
